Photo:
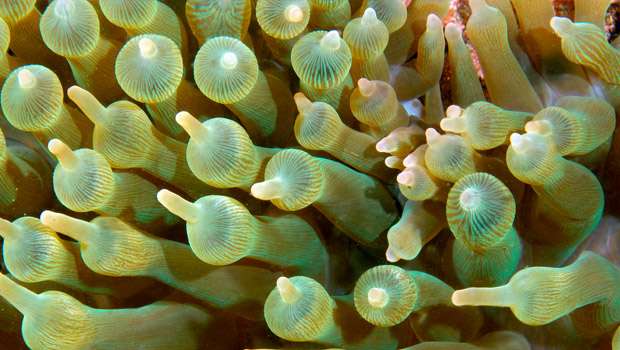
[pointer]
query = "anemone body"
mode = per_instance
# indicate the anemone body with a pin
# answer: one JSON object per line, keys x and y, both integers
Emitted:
{"x": 374, "y": 103}
{"x": 22, "y": 20}
{"x": 506, "y": 82}
{"x": 570, "y": 215}
{"x": 322, "y": 61}
{"x": 34, "y": 253}
{"x": 484, "y": 125}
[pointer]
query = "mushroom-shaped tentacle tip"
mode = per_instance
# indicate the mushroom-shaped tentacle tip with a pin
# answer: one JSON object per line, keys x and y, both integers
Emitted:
{"x": 268, "y": 190}
{"x": 192, "y": 126}
{"x": 88, "y": 103}
{"x": 179, "y": 206}
{"x": 66, "y": 157}
{"x": 302, "y": 102}
{"x": 331, "y": 40}
{"x": 288, "y": 292}
{"x": 75, "y": 228}
{"x": 366, "y": 87}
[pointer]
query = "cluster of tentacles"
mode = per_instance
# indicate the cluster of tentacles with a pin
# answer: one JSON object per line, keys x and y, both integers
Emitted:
{"x": 302, "y": 174}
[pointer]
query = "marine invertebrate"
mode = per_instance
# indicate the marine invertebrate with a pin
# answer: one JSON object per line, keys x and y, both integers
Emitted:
{"x": 322, "y": 61}
{"x": 282, "y": 23}
{"x": 463, "y": 140}
{"x": 318, "y": 127}
{"x": 506, "y": 81}
{"x": 22, "y": 22}
{"x": 374, "y": 103}
{"x": 300, "y": 309}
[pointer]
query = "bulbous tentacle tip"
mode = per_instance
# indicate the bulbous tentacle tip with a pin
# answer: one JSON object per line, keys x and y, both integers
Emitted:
{"x": 561, "y": 25}
{"x": 66, "y": 157}
{"x": 26, "y": 79}
{"x": 64, "y": 8}
{"x": 229, "y": 60}
{"x": 394, "y": 162}
{"x": 452, "y": 124}
{"x": 470, "y": 199}
{"x": 541, "y": 127}
{"x": 302, "y": 102}
{"x": 406, "y": 177}
{"x": 386, "y": 145}
{"x": 267, "y": 190}
{"x": 88, "y": 103}
{"x": 369, "y": 17}
{"x": 459, "y": 298}
{"x": 433, "y": 22}
{"x": 378, "y": 297}
{"x": 178, "y": 205}
{"x": 293, "y": 13}
{"x": 391, "y": 255}
{"x": 366, "y": 87}
{"x": 8, "y": 229}
{"x": 453, "y": 31}
{"x": 432, "y": 136}
{"x": 454, "y": 111}
{"x": 77, "y": 229}
{"x": 518, "y": 143}
{"x": 287, "y": 290}
{"x": 477, "y": 5}
{"x": 331, "y": 40}
{"x": 148, "y": 48}
{"x": 50, "y": 218}
{"x": 192, "y": 126}
{"x": 56, "y": 146}
{"x": 411, "y": 160}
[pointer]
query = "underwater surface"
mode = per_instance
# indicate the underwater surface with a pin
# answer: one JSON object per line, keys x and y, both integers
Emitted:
{"x": 309, "y": 174}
